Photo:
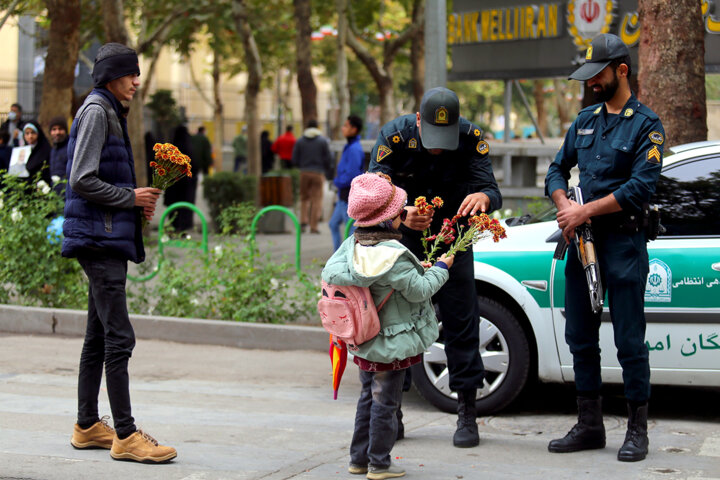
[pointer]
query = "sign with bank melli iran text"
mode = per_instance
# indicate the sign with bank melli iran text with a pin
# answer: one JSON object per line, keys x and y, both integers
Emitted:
{"x": 521, "y": 39}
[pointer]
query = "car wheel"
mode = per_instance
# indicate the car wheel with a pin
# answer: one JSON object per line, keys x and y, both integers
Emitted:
{"x": 506, "y": 356}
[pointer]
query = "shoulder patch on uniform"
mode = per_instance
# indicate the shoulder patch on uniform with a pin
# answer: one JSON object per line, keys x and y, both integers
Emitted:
{"x": 477, "y": 132}
{"x": 656, "y": 137}
{"x": 412, "y": 143}
{"x": 482, "y": 147}
{"x": 597, "y": 110}
{"x": 395, "y": 138}
{"x": 628, "y": 112}
{"x": 383, "y": 152}
{"x": 653, "y": 155}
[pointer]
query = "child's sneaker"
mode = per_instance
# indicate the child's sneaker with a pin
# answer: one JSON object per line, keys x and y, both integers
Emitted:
{"x": 99, "y": 435}
{"x": 356, "y": 469}
{"x": 381, "y": 473}
{"x": 141, "y": 447}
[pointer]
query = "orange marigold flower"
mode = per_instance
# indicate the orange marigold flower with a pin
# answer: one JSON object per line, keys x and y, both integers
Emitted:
{"x": 161, "y": 171}
{"x": 437, "y": 202}
{"x": 157, "y": 147}
{"x": 153, "y": 164}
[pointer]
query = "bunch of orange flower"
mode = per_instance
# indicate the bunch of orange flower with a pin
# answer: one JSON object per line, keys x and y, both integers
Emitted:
{"x": 169, "y": 166}
{"x": 425, "y": 208}
{"x": 479, "y": 226}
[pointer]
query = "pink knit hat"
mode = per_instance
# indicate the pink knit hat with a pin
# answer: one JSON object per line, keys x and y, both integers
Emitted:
{"x": 374, "y": 199}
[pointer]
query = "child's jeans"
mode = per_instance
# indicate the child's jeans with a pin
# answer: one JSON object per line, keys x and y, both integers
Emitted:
{"x": 376, "y": 422}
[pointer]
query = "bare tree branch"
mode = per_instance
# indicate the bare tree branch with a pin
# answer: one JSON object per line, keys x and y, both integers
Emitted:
{"x": 10, "y": 11}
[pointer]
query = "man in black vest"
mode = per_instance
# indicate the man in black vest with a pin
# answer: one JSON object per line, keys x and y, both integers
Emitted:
{"x": 102, "y": 228}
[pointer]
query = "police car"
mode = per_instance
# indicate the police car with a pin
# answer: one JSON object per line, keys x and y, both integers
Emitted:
{"x": 521, "y": 291}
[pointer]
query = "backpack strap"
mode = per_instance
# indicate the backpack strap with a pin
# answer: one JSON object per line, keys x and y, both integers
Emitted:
{"x": 382, "y": 304}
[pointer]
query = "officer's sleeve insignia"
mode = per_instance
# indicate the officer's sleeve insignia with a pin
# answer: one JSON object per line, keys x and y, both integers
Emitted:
{"x": 629, "y": 112}
{"x": 383, "y": 152}
{"x": 656, "y": 137}
{"x": 412, "y": 143}
{"x": 476, "y": 132}
{"x": 396, "y": 138}
{"x": 482, "y": 147}
{"x": 597, "y": 110}
{"x": 653, "y": 155}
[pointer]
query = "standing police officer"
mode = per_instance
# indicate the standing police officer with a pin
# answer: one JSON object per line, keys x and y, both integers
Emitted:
{"x": 617, "y": 145}
{"x": 436, "y": 152}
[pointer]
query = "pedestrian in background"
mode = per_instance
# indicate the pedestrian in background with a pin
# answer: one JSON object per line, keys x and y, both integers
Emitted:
{"x": 349, "y": 167}
{"x": 374, "y": 258}
{"x": 617, "y": 145}
{"x": 311, "y": 155}
{"x": 266, "y": 153}
{"x": 39, "y": 160}
{"x": 283, "y": 147}
{"x": 436, "y": 152}
{"x": 58, "y": 154}
{"x": 202, "y": 152}
{"x": 14, "y": 125}
{"x": 102, "y": 229}
{"x": 239, "y": 145}
{"x": 5, "y": 151}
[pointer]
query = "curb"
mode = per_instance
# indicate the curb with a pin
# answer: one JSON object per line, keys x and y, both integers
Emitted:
{"x": 57, "y": 321}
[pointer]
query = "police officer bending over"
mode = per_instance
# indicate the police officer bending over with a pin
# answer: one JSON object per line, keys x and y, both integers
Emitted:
{"x": 617, "y": 145}
{"x": 436, "y": 152}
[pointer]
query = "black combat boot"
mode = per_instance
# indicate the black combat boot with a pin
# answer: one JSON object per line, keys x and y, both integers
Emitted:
{"x": 466, "y": 434}
{"x": 587, "y": 434}
{"x": 636, "y": 443}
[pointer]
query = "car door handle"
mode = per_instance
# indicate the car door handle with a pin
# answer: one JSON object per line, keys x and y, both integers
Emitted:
{"x": 715, "y": 266}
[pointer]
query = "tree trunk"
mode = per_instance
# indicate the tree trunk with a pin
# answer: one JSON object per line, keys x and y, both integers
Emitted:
{"x": 672, "y": 73}
{"x": 417, "y": 55}
{"x": 565, "y": 110}
{"x": 62, "y": 55}
{"x": 254, "y": 67}
{"x": 382, "y": 73}
{"x": 540, "y": 110}
{"x": 343, "y": 92}
{"x": 306, "y": 84}
{"x": 114, "y": 22}
{"x": 218, "y": 123}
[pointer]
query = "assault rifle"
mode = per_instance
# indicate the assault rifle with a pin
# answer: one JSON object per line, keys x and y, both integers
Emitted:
{"x": 586, "y": 253}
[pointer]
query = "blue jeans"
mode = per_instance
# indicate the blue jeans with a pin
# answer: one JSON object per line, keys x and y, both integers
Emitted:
{"x": 338, "y": 218}
{"x": 376, "y": 423}
{"x": 109, "y": 341}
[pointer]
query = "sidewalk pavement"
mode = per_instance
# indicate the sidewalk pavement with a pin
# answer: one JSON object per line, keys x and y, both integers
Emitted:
{"x": 257, "y": 414}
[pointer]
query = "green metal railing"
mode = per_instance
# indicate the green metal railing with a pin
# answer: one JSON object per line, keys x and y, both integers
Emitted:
{"x": 177, "y": 243}
{"x": 293, "y": 217}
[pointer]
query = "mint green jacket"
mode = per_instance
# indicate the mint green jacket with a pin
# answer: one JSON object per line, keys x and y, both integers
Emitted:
{"x": 408, "y": 325}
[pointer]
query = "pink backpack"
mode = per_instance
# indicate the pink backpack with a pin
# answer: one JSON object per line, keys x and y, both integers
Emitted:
{"x": 348, "y": 313}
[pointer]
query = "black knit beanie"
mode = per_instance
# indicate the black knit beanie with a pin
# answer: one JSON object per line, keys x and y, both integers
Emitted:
{"x": 59, "y": 122}
{"x": 112, "y": 61}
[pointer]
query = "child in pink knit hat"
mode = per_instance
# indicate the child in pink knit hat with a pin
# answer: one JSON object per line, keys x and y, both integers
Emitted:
{"x": 373, "y": 257}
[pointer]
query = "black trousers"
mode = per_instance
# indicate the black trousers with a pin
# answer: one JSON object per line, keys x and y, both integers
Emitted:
{"x": 109, "y": 341}
{"x": 460, "y": 316}
{"x": 624, "y": 269}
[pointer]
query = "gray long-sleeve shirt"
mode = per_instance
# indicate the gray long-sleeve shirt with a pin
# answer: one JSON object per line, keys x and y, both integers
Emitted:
{"x": 92, "y": 131}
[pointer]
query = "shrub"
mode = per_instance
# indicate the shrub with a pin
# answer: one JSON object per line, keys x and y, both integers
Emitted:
{"x": 32, "y": 270}
{"x": 227, "y": 285}
{"x": 224, "y": 189}
{"x": 236, "y": 219}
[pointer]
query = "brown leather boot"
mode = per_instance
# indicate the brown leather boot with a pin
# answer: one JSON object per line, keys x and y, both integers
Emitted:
{"x": 141, "y": 447}
{"x": 100, "y": 435}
